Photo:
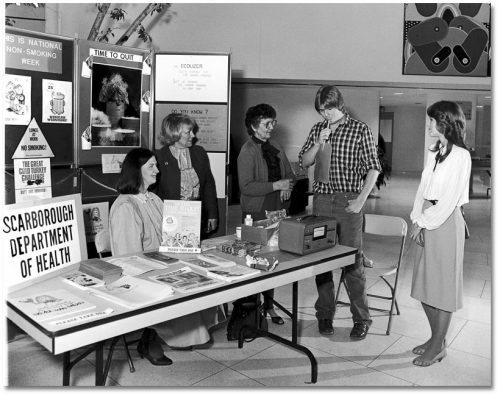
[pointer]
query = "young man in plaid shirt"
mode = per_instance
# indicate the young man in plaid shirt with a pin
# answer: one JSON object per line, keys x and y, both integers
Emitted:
{"x": 340, "y": 191}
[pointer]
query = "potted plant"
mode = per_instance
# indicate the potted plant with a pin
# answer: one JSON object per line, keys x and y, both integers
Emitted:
{"x": 114, "y": 93}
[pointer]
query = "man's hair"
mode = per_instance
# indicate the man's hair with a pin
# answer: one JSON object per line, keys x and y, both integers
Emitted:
{"x": 328, "y": 96}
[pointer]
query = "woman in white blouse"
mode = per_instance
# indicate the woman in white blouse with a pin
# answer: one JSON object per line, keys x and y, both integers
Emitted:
{"x": 439, "y": 227}
{"x": 135, "y": 226}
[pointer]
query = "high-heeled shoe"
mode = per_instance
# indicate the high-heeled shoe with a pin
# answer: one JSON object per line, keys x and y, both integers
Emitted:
{"x": 276, "y": 319}
{"x": 419, "y": 350}
{"x": 426, "y": 363}
{"x": 150, "y": 348}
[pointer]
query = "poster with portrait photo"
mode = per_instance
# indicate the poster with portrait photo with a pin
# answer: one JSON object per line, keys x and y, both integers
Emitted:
{"x": 115, "y": 117}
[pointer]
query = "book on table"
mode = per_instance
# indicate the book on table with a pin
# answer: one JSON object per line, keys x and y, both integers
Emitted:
{"x": 216, "y": 260}
{"x": 45, "y": 305}
{"x": 186, "y": 280}
{"x": 133, "y": 292}
{"x": 101, "y": 269}
{"x": 181, "y": 226}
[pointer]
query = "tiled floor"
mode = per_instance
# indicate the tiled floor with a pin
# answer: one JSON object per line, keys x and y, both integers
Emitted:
{"x": 377, "y": 361}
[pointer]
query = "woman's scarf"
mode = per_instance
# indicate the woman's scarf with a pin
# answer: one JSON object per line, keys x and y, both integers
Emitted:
{"x": 190, "y": 183}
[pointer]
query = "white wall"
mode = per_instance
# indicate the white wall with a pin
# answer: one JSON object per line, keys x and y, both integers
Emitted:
{"x": 326, "y": 41}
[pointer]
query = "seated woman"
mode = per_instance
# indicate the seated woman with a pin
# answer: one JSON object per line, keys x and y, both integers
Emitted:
{"x": 135, "y": 226}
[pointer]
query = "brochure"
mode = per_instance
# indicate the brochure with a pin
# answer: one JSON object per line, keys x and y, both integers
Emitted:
{"x": 217, "y": 260}
{"x": 45, "y": 305}
{"x": 133, "y": 292}
{"x": 82, "y": 280}
{"x": 135, "y": 265}
{"x": 160, "y": 257}
{"x": 186, "y": 280}
{"x": 236, "y": 272}
{"x": 181, "y": 226}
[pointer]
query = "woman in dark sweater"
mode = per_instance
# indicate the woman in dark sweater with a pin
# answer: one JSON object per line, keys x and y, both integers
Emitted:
{"x": 185, "y": 168}
{"x": 265, "y": 175}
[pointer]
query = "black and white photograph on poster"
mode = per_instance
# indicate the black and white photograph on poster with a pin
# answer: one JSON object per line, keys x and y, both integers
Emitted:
{"x": 57, "y": 102}
{"x": 211, "y": 120}
{"x": 32, "y": 179}
{"x": 116, "y": 106}
{"x": 17, "y": 99}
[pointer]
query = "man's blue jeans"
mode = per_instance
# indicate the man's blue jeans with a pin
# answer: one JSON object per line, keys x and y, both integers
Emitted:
{"x": 349, "y": 230}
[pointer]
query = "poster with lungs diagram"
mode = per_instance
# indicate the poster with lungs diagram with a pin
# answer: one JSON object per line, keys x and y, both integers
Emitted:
{"x": 451, "y": 39}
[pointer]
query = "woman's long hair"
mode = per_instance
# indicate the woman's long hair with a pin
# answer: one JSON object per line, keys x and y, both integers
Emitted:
{"x": 130, "y": 179}
{"x": 450, "y": 122}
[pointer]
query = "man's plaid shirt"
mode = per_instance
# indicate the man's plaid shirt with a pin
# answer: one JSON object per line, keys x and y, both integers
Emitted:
{"x": 353, "y": 154}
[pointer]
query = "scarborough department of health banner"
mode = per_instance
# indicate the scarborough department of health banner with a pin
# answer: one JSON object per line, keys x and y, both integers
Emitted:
{"x": 40, "y": 237}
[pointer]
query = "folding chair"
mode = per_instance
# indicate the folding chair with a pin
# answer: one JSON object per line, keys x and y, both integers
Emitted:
{"x": 103, "y": 246}
{"x": 389, "y": 232}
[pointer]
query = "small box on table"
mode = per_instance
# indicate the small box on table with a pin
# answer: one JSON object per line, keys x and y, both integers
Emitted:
{"x": 258, "y": 232}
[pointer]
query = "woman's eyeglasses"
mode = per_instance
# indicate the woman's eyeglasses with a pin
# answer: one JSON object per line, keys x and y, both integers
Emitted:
{"x": 270, "y": 124}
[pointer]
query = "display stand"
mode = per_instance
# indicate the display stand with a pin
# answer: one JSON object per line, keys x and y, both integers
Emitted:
{"x": 39, "y": 82}
{"x": 199, "y": 85}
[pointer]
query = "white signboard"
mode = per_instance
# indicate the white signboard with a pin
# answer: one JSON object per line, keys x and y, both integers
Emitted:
{"x": 40, "y": 237}
{"x": 192, "y": 78}
{"x": 33, "y": 144}
{"x": 32, "y": 179}
{"x": 57, "y": 104}
{"x": 17, "y": 99}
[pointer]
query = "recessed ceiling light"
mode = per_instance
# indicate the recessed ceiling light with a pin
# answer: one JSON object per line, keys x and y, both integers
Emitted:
{"x": 479, "y": 106}
{"x": 381, "y": 97}
{"x": 398, "y": 93}
{"x": 487, "y": 97}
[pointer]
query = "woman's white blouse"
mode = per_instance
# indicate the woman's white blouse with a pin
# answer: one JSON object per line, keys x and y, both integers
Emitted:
{"x": 448, "y": 184}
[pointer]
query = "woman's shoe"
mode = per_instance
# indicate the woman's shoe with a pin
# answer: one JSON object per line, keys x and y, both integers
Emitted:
{"x": 419, "y": 350}
{"x": 419, "y": 361}
{"x": 150, "y": 348}
{"x": 276, "y": 319}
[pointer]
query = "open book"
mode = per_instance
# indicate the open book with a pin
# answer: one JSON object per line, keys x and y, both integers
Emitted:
{"x": 236, "y": 272}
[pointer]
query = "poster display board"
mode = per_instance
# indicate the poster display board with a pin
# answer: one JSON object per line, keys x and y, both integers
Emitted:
{"x": 198, "y": 85}
{"x": 40, "y": 237}
{"x": 39, "y": 86}
{"x": 113, "y": 87}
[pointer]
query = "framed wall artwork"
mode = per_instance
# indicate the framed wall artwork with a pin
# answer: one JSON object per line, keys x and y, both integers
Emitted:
{"x": 450, "y": 39}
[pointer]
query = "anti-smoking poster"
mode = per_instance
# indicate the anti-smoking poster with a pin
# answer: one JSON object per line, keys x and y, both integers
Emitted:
{"x": 95, "y": 218}
{"x": 17, "y": 99}
{"x": 32, "y": 179}
{"x": 40, "y": 237}
{"x": 57, "y": 105}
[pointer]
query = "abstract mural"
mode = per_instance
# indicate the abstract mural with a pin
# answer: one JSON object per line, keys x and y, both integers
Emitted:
{"x": 447, "y": 39}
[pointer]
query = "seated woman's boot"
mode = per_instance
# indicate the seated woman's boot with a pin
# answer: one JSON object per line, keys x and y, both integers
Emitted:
{"x": 149, "y": 347}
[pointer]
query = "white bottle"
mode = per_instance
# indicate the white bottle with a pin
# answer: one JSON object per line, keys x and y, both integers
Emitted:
{"x": 248, "y": 220}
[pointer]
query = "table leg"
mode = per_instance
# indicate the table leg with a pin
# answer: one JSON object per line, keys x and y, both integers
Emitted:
{"x": 295, "y": 298}
{"x": 66, "y": 367}
{"x": 99, "y": 364}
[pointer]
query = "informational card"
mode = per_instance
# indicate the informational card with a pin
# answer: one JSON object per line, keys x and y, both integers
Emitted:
{"x": 32, "y": 179}
{"x": 199, "y": 78}
{"x": 17, "y": 99}
{"x": 212, "y": 132}
{"x": 95, "y": 218}
{"x": 181, "y": 226}
{"x": 112, "y": 163}
{"x": 57, "y": 102}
